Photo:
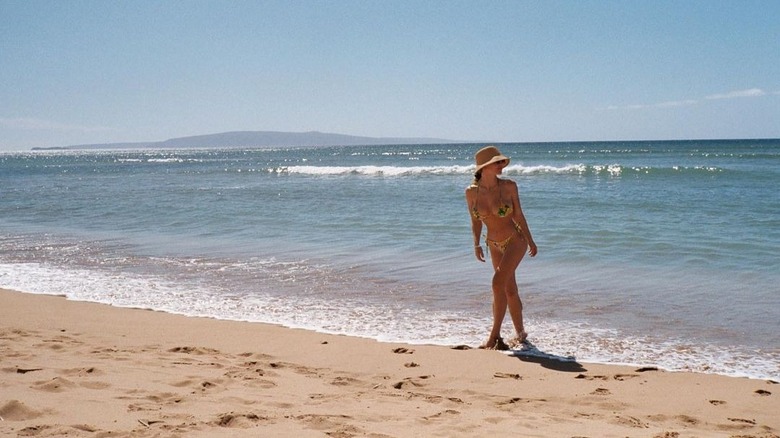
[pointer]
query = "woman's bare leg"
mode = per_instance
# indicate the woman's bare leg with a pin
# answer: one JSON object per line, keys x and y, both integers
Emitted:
{"x": 499, "y": 311}
{"x": 505, "y": 282}
{"x": 515, "y": 305}
{"x": 499, "y": 303}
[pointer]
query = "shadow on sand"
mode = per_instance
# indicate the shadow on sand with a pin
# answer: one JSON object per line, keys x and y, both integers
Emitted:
{"x": 530, "y": 353}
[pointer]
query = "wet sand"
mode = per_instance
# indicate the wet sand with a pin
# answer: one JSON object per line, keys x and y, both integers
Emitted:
{"x": 90, "y": 370}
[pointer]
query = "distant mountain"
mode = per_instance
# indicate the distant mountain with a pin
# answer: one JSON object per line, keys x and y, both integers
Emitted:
{"x": 259, "y": 139}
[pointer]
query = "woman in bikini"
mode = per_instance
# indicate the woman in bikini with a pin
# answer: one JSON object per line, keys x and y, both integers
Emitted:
{"x": 494, "y": 202}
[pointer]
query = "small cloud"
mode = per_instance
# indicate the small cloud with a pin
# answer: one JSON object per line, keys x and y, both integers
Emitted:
{"x": 32, "y": 124}
{"x": 667, "y": 104}
{"x": 675, "y": 103}
{"x": 624, "y": 107}
{"x": 751, "y": 92}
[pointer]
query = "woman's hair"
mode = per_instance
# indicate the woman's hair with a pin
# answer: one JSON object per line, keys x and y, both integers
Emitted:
{"x": 477, "y": 176}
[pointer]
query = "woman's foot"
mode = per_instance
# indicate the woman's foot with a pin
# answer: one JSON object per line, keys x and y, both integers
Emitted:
{"x": 518, "y": 340}
{"x": 498, "y": 344}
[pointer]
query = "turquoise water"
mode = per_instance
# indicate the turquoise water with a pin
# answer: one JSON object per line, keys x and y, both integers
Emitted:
{"x": 663, "y": 253}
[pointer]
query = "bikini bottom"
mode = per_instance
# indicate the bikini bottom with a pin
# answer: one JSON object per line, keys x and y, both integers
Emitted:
{"x": 499, "y": 245}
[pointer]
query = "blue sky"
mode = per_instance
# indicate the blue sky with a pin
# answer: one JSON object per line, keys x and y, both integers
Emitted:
{"x": 76, "y": 72}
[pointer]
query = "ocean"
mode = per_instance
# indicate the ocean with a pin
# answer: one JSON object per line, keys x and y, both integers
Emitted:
{"x": 662, "y": 253}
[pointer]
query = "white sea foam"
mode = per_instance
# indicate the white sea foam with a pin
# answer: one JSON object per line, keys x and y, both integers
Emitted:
{"x": 529, "y": 170}
{"x": 374, "y": 170}
{"x": 386, "y": 323}
{"x": 420, "y": 170}
{"x": 613, "y": 169}
{"x": 165, "y": 160}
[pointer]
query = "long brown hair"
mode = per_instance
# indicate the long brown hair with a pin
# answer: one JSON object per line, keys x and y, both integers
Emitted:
{"x": 477, "y": 177}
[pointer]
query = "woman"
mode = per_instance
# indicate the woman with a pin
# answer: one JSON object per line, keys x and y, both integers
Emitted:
{"x": 494, "y": 202}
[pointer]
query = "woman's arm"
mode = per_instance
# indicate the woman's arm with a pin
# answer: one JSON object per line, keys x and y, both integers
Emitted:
{"x": 520, "y": 221}
{"x": 476, "y": 226}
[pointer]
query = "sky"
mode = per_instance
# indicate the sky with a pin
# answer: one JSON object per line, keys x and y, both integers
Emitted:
{"x": 84, "y": 72}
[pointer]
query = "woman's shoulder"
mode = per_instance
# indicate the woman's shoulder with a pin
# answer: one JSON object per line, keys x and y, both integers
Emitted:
{"x": 505, "y": 182}
{"x": 471, "y": 192}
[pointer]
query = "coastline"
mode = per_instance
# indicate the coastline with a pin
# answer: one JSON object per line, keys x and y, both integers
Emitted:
{"x": 86, "y": 369}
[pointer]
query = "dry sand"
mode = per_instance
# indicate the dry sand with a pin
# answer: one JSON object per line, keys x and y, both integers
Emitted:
{"x": 89, "y": 370}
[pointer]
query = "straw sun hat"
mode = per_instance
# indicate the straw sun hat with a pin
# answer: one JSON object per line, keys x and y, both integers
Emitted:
{"x": 489, "y": 155}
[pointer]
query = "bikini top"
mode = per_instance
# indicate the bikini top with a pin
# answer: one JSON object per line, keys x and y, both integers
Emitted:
{"x": 504, "y": 210}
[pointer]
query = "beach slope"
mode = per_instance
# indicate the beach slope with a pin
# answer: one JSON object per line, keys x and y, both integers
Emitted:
{"x": 90, "y": 370}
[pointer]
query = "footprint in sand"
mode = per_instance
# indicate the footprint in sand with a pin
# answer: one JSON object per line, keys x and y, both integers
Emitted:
{"x": 508, "y": 376}
{"x": 251, "y": 374}
{"x": 22, "y": 370}
{"x": 344, "y": 381}
{"x": 57, "y": 384}
{"x": 583, "y": 376}
{"x": 518, "y": 400}
{"x": 511, "y": 401}
{"x": 601, "y": 391}
{"x": 193, "y": 350}
{"x": 442, "y": 413}
{"x": 244, "y": 373}
{"x": 324, "y": 422}
{"x": 261, "y": 356}
{"x": 743, "y": 420}
{"x": 298, "y": 369}
{"x": 209, "y": 386}
{"x": 241, "y": 421}
{"x": 95, "y": 385}
{"x": 15, "y": 410}
{"x": 87, "y": 372}
{"x": 622, "y": 377}
{"x": 33, "y": 430}
{"x": 687, "y": 420}
{"x": 631, "y": 422}
{"x": 401, "y": 350}
{"x": 409, "y": 380}
{"x": 58, "y": 343}
{"x": 619, "y": 377}
{"x": 399, "y": 385}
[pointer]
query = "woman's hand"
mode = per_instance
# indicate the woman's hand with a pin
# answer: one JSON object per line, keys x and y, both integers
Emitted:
{"x": 532, "y": 248}
{"x": 478, "y": 252}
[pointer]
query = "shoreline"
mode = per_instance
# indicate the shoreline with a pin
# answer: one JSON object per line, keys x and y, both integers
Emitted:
{"x": 87, "y": 369}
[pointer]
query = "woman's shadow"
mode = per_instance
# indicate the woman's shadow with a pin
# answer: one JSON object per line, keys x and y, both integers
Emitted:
{"x": 528, "y": 352}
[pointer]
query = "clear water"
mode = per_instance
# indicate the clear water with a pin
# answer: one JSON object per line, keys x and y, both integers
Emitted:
{"x": 662, "y": 253}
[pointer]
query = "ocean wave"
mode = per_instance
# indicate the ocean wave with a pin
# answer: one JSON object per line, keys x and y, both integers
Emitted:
{"x": 371, "y": 170}
{"x": 415, "y": 170}
{"x": 164, "y": 160}
{"x": 388, "y": 322}
{"x": 519, "y": 169}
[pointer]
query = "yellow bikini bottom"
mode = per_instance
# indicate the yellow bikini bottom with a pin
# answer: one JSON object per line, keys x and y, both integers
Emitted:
{"x": 499, "y": 245}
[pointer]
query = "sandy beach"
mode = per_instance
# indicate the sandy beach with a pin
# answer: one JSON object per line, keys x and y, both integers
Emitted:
{"x": 89, "y": 370}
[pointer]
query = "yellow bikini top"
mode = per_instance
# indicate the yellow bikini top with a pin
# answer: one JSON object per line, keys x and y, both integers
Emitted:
{"x": 504, "y": 210}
